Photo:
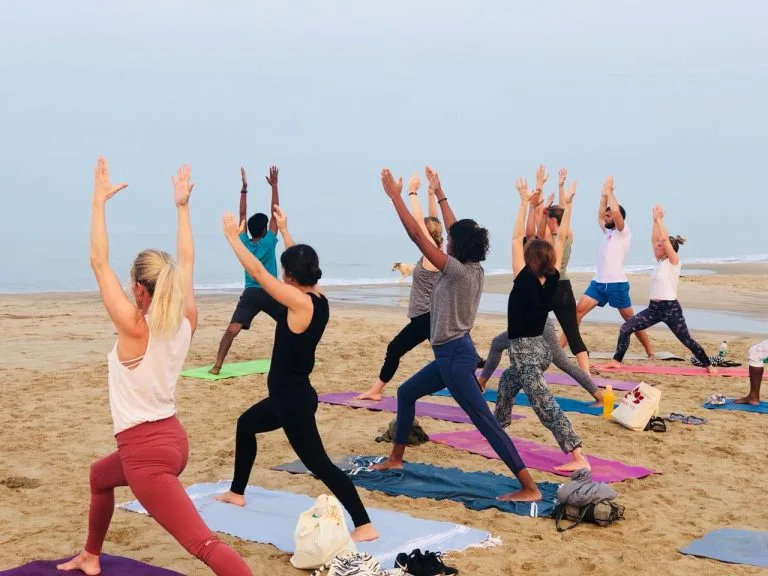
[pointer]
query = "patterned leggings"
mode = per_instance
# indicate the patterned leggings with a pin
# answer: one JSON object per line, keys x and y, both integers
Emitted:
{"x": 529, "y": 358}
{"x": 671, "y": 313}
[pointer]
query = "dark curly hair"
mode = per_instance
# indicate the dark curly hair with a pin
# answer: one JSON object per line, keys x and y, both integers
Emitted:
{"x": 469, "y": 242}
{"x": 257, "y": 225}
{"x": 301, "y": 263}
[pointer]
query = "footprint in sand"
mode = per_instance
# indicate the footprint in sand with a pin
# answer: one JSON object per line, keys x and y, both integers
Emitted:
{"x": 19, "y": 483}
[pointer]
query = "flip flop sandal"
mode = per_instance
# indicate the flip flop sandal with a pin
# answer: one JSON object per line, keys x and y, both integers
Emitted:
{"x": 683, "y": 419}
{"x": 656, "y": 424}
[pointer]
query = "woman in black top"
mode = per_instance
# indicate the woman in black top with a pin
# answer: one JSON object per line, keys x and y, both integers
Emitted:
{"x": 292, "y": 401}
{"x": 530, "y": 301}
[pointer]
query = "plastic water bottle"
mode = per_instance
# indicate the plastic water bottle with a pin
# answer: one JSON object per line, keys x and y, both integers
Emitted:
{"x": 609, "y": 399}
{"x": 723, "y": 349}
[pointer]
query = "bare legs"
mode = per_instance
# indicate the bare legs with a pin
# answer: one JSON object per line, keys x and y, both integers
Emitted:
{"x": 755, "y": 380}
{"x": 226, "y": 343}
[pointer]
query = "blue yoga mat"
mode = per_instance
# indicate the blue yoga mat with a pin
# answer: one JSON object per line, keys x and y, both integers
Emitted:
{"x": 733, "y": 546}
{"x": 761, "y": 408}
{"x": 566, "y": 404}
{"x": 270, "y": 517}
{"x": 476, "y": 490}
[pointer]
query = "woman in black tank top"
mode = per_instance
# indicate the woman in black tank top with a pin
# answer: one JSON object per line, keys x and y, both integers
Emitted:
{"x": 292, "y": 401}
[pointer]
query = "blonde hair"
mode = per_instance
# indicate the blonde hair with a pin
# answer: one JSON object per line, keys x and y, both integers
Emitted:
{"x": 157, "y": 272}
{"x": 435, "y": 229}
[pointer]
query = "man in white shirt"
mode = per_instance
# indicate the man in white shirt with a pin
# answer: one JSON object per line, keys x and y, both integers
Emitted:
{"x": 610, "y": 285}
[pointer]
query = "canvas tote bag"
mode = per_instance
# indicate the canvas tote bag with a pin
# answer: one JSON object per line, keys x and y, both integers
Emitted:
{"x": 637, "y": 407}
{"x": 321, "y": 534}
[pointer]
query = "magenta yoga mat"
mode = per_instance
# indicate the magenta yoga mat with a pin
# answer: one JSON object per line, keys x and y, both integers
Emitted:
{"x": 389, "y": 404}
{"x": 675, "y": 370}
{"x": 110, "y": 565}
{"x": 562, "y": 379}
{"x": 541, "y": 457}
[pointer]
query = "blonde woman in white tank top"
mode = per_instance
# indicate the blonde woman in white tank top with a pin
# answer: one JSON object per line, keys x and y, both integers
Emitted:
{"x": 664, "y": 306}
{"x": 153, "y": 337}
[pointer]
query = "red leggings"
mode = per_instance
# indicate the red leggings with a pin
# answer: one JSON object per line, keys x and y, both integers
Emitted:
{"x": 149, "y": 459}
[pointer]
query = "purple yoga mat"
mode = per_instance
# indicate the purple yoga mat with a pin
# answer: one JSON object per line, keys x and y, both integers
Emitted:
{"x": 564, "y": 380}
{"x": 389, "y": 404}
{"x": 541, "y": 457}
{"x": 110, "y": 566}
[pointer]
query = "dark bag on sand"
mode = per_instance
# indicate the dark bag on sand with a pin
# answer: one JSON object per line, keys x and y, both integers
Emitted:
{"x": 416, "y": 437}
{"x": 603, "y": 513}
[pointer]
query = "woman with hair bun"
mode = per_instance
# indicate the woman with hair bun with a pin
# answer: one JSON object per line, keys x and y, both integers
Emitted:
{"x": 664, "y": 306}
{"x": 292, "y": 401}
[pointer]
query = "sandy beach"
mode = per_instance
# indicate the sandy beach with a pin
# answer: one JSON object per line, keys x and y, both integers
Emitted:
{"x": 57, "y": 421}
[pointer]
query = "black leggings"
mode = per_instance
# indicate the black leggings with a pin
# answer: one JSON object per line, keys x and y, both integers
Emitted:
{"x": 671, "y": 313}
{"x": 564, "y": 307}
{"x": 414, "y": 333}
{"x": 293, "y": 410}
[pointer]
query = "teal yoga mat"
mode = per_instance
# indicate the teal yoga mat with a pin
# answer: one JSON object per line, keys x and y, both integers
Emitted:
{"x": 566, "y": 404}
{"x": 234, "y": 370}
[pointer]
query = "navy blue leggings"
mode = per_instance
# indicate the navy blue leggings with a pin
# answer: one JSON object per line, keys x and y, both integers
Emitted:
{"x": 454, "y": 368}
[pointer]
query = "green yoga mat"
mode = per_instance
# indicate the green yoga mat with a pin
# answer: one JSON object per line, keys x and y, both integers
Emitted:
{"x": 229, "y": 370}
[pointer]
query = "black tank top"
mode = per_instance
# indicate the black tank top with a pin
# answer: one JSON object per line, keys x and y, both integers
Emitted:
{"x": 293, "y": 355}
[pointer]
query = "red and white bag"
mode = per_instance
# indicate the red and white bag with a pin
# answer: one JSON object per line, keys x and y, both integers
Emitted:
{"x": 638, "y": 407}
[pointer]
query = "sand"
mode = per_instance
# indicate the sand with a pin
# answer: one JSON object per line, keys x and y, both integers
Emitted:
{"x": 56, "y": 422}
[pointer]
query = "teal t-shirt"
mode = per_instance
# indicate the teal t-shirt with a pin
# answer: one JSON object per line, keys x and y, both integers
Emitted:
{"x": 264, "y": 250}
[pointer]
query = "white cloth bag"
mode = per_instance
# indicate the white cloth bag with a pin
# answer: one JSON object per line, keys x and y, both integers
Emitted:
{"x": 321, "y": 534}
{"x": 637, "y": 407}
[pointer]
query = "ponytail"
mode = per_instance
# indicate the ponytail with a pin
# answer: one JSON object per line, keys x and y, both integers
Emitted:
{"x": 158, "y": 273}
{"x": 676, "y": 242}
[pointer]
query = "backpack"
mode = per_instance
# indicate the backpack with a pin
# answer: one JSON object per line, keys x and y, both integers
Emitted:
{"x": 603, "y": 513}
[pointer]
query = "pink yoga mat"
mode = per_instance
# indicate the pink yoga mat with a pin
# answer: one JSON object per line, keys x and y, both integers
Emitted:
{"x": 675, "y": 370}
{"x": 540, "y": 457}
{"x": 389, "y": 404}
{"x": 562, "y": 379}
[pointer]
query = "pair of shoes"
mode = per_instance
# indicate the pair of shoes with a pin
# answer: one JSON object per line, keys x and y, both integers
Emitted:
{"x": 426, "y": 564}
{"x": 656, "y": 424}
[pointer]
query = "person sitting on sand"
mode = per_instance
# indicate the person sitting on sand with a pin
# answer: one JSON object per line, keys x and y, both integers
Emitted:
{"x": 425, "y": 275}
{"x": 153, "y": 338}
{"x": 452, "y": 314}
{"x": 262, "y": 245}
{"x": 664, "y": 306}
{"x": 536, "y": 278}
{"x": 758, "y": 358}
{"x": 292, "y": 401}
{"x": 610, "y": 285}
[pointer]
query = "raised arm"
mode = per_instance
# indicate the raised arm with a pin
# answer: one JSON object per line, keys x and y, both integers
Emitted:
{"x": 126, "y": 317}
{"x": 394, "y": 188}
{"x": 243, "y": 196}
{"x": 434, "y": 212}
{"x": 562, "y": 176}
{"x": 518, "y": 252}
{"x": 658, "y": 224}
{"x": 185, "y": 250}
{"x": 565, "y": 225}
{"x": 542, "y": 214}
{"x": 434, "y": 181}
{"x": 292, "y": 298}
{"x": 613, "y": 204}
{"x": 530, "y": 223}
{"x": 607, "y": 185}
{"x": 272, "y": 181}
{"x": 282, "y": 225}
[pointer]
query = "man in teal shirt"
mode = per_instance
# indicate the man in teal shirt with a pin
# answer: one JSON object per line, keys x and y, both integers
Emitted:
{"x": 261, "y": 243}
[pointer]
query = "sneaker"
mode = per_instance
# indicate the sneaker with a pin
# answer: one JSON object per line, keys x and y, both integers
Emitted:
{"x": 412, "y": 563}
{"x": 434, "y": 566}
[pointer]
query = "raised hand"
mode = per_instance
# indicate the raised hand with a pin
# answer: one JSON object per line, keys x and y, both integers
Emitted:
{"x": 414, "y": 184}
{"x": 182, "y": 187}
{"x": 272, "y": 178}
{"x": 280, "y": 217}
{"x": 522, "y": 189}
{"x": 232, "y": 230}
{"x": 608, "y": 186}
{"x": 549, "y": 202}
{"x": 391, "y": 186}
{"x": 568, "y": 198}
{"x": 658, "y": 212}
{"x": 434, "y": 180}
{"x": 244, "y": 178}
{"x": 103, "y": 188}
{"x": 541, "y": 177}
{"x": 563, "y": 175}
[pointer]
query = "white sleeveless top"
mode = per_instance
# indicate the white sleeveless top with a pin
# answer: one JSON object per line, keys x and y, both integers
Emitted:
{"x": 664, "y": 280}
{"x": 147, "y": 393}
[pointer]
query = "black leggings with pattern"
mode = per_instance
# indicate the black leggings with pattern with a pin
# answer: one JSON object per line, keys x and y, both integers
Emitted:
{"x": 671, "y": 313}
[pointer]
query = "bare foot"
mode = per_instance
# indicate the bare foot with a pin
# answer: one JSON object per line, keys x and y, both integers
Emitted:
{"x": 522, "y": 495}
{"x": 85, "y": 562}
{"x": 713, "y": 371}
{"x": 598, "y": 399}
{"x": 231, "y": 498}
{"x": 748, "y": 400}
{"x": 215, "y": 371}
{"x": 369, "y": 396}
{"x": 364, "y": 533}
{"x": 389, "y": 464}
{"x": 597, "y": 404}
{"x": 613, "y": 365}
{"x": 577, "y": 463}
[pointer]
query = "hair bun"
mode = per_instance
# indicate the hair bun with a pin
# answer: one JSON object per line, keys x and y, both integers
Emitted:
{"x": 680, "y": 240}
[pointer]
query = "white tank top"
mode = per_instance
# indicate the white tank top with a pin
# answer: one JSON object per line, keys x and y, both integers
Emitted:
{"x": 147, "y": 393}
{"x": 664, "y": 280}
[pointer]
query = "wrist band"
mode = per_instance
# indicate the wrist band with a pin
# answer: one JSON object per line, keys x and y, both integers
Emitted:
{"x": 443, "y": 199}
{"x": 243, "y": 191}
{"x": 412, "y": 194}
